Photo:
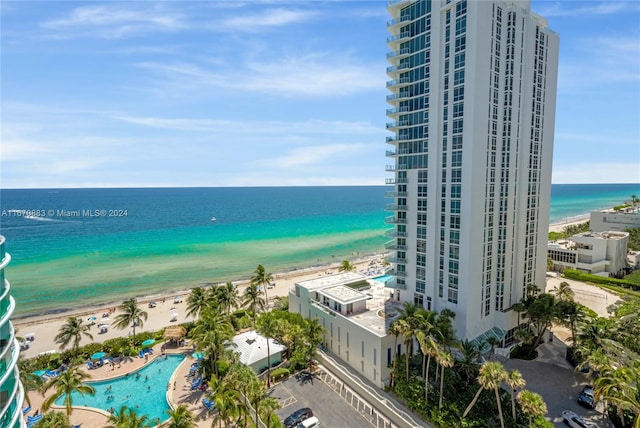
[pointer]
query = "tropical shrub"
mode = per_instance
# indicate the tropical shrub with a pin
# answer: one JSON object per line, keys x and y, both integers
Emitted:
{"x": 279, "y": 373}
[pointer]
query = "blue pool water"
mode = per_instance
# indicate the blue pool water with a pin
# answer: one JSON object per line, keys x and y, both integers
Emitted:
{"x": 383, "y": 278}
{"x": 146, "y": 394}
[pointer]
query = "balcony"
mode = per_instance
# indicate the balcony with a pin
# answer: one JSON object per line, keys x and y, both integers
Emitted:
{"x": 403, "y": 81}
{"x": 397, "y": 274}
{"x": 392, "y": 233}
{"x": 391, "y": 245}
{"x": 394, "y": 207}
{"x": 396, "y": 260}
{"x": 396, "y": 111}
{"x": 393, "y": 220}
{"x": 396, "y": 39}
{"x": 398, "y": 124}
{"x": 394, "y": 284}
{"x": 397, "y": 21}
{"x": 394, "y": 69}
{"x": 401, "y": 53}
{"x": 394, "y": 194}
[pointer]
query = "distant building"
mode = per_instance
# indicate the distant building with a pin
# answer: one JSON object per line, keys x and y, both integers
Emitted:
{"x": 473, "y": 99}
{"x": 355, "y": 313}
{"x": 591, "y": 252}
{"x": 252, "y": 350}
{"x": 605, "y": 220}
{"x": 11, "y": 391}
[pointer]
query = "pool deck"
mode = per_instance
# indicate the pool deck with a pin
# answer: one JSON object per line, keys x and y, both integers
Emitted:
{"x": 180, "y": 394}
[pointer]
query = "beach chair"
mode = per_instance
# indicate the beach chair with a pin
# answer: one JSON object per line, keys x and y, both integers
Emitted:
{"x": 90, "y": 365}
{"x": 140, "y": 354}
{"x": 208, "y": 403}
{"x": 196, "y": 384}
{"x": 26, "y": 410}
{"x": 33, "y": 419}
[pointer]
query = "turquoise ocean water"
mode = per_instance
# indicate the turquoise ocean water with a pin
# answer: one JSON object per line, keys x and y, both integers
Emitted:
{"x": 87, "y": 246}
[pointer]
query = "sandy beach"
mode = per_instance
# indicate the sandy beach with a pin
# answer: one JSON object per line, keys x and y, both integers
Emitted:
{"x": 573, "y": 221}
{"x": 46, "y": 327}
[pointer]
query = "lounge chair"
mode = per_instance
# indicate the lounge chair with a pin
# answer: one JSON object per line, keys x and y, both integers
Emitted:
{"x": 90, "y": 365}
{"x": 26, "y": 410}
{"x": 196, "y": 384}
{"x": 140, "y": 354}
{"x": 33, "y": 419}
{"x": 208, "y": 403}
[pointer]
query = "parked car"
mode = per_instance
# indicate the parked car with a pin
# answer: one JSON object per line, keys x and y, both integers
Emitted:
{"x": 587, "y": 397}
{"x": 311, "y": 422}
{"x": 575, "y": 421}
{"x": 298, "y": 416}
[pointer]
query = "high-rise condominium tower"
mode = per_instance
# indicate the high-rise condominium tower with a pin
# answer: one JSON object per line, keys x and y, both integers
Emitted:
{"x": 473, "y": 109}
{"x": 11, "y": 392}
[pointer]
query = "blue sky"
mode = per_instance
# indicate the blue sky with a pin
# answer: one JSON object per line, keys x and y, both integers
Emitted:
{"x": 120, "y": 94}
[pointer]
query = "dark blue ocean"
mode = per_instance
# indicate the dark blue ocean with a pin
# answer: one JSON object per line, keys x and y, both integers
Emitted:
{"x": 77, "y": 247}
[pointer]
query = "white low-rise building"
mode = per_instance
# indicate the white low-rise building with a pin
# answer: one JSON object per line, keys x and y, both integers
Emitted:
{"x": 592, "y": 252}
{"x": 612, "y": 220}
{"x": 252, "y": 350}
{"x": 355, "y": 312}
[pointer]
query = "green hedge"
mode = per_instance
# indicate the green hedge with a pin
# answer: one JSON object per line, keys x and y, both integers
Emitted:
{"x": 279, "y": 373}
{"x": 587, "y": 277}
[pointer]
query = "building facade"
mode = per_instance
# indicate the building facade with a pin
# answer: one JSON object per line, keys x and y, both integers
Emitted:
{"x": 473, "y": 93}
{"x": 11, "y": 392}
{"x": 591, "y": 252}
{"x": 612, "y": 220}
{"x": 355, "y": 313}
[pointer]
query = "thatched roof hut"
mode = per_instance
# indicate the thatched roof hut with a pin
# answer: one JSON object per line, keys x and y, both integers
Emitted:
{"x": 174, "y": 332}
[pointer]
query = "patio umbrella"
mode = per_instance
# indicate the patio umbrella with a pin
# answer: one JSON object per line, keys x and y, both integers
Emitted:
{"x": 148, "y": 342}
{"x": 39, "y": 373}
{"x": 98, "y": 355}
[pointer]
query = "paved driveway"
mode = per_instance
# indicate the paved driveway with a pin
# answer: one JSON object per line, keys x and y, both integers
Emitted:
{"x": 327, "y": 406}
{"x": 560, "y": 388}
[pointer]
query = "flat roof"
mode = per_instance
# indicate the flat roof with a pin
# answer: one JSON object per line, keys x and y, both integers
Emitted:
{"x": 343, "y": 294}
{"x": 329, "y": 280}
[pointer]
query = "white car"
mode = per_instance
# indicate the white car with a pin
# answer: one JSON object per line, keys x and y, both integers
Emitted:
{"x": 575, "y": 421}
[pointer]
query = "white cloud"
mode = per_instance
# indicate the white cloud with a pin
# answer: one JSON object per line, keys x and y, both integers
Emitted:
{"x": 114, "y": 21}
{"x": 596, "y": 172}
{"x": 309, "y": 155}
{"x": 314, "y": 75}
{"x": 268, "y": 19}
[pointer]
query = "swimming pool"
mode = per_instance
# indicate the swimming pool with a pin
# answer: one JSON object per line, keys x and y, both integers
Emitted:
{"x": 383, "y": 278}
{"x": 143, "y": 391}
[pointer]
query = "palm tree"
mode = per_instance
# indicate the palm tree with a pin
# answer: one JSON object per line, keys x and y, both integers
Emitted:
{"x": 128, "y": 418}
{"x": 634, "y": 200}
{"x": 69, "y": 381}
{"x": 620, "y": 387}
{"x": 519, "y": 308}
{"x": 514, "y": 380}
{"x": 29, "y": 381}
{"x": 346, "y": 266}
{"x": 428, "y": 347}
{"x": 131, "y": 315}
{"x": 395, "y": 329}
{"x": 445, "y": 359}
{"x": 227, "y": 296}
{"x": 532, "y": 404}
{"x": 181, "y": 417}
{"x": 53, "y": 420}
{"x": 469, "y": 362}
{"x": 523, "y": 335}
{"x": 492, "y": 374}
{"x": 267, "y": 407}
{"x": 253, "y": 301}
{"x": 267, "y": 326}
{"x": 542, "y": 312}
{"x": 493, "y": 342}
{"x": 226, "y": 399}
{"x": 72, "y": 331}
{"x": 198, "y": 299}
{"x": 262, "y": 278}
{"x": 406, "y": 330}
{"x": 241, "y": 378}
{"x": 211, "y": 335}
{"x": 564, "y": 292}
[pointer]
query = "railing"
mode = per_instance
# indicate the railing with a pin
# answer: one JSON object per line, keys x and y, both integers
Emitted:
{"x": 393, "y": 220}
{"x": 396, "y": 37}
{"x": 397, "y": 82}
{"x": 399, "y": 67}
{"x": 399, "y": 20}
{"x": 393, "y": 246}
{"x": 401, "y": 52}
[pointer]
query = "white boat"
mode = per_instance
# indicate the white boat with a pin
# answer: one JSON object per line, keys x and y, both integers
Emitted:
{"x": 213, "y": 219}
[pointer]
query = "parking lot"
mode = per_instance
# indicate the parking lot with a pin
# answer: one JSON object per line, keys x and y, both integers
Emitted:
{"x": 327, "y": 406}
{"x": 559, "y": 387}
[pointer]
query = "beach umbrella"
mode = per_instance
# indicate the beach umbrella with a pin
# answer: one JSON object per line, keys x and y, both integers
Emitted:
{"x": 98, "y": 355}
{"x": 39, "y": 373}
{"x": 92, "y": 319}
{"x": 148, "y": 342}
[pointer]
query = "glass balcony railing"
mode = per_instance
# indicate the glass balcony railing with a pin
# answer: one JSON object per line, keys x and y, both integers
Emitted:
{"x": 399, "y": 53}
{"x": 399, "y": 20}
{"x": 398, "y": 37}
{"x": 396, "y": 68}
{"x": 397, "y": 110}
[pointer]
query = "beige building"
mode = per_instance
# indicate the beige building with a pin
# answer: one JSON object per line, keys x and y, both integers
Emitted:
{"x": 611, "y": 220}
{"x": 592, "y": 252}
{"x": 355, "y": 312}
